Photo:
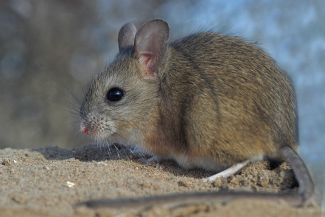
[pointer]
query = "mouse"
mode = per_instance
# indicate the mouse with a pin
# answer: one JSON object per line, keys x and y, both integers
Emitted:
{"x": 206, "y": 100}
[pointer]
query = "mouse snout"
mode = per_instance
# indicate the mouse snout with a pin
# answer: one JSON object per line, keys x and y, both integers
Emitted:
{"x": 97, "y": 126}
{"x": 83, "y": 128}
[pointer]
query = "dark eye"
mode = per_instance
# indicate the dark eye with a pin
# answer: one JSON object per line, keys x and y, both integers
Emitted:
{"x": 115, "y": 94}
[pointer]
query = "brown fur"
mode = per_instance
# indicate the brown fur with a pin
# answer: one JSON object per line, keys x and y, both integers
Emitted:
{"x": 212, "y": 96}
{"x": 232, "y": 97}
{"x": 206, "y": 100}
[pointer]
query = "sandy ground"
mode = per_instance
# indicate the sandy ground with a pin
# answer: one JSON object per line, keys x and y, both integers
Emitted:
{"x": 51, "y": 181}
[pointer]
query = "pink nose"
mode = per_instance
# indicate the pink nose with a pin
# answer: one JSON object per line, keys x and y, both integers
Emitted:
{"x": 83, "y": 128}
{"x": 85, "y": 131}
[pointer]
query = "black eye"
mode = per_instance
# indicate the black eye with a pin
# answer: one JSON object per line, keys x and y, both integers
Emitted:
{"x": 115, "y": 94}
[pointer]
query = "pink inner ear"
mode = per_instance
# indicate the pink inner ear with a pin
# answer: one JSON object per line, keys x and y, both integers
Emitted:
{"x": 148, "y": 60}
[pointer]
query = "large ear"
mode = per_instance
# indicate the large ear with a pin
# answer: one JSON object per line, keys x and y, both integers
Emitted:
{"x": 126, "y": 36}
{"x": 150, "y": 45}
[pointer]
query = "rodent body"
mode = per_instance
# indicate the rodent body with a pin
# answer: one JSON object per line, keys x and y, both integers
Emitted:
{"x": 222, "y": 99}
{"x": 207, "y": 100}
{"x": 215, "y": 101}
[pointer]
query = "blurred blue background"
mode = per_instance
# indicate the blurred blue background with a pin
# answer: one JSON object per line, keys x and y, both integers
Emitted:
{"x": 50, "y": 49}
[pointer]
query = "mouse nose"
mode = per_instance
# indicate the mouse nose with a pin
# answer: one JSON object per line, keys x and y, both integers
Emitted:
{"x": 83, "y": 128}
{"x": 85, "y": 131}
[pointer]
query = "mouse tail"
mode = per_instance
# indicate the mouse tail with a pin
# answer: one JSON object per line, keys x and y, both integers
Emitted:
{"x": 307, "y": 188}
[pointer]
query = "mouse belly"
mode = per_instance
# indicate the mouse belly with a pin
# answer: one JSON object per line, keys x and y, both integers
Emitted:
{"x": 198, "y": 162}
{"x": 205, "y": 163}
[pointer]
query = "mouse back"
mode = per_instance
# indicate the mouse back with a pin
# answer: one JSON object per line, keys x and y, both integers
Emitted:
{"x": 248, "y": 100}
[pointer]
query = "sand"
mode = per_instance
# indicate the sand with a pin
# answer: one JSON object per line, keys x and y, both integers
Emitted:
{"x": 51, "y": 181}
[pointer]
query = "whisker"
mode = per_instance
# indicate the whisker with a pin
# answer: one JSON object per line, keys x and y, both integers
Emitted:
{"x": 108, "y": 149}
